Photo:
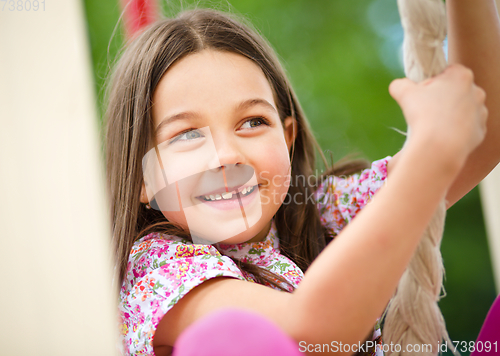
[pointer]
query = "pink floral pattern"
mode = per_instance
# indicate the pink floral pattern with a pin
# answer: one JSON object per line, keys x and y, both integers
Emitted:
{"x": 265, "y": 253}
{"x": 162, "y": 269}
{"x": 339, "y": 199}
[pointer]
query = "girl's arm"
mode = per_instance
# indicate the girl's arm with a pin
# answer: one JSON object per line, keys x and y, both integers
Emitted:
{"x": 474, "y": 41}
{"x": 348, "y": 286}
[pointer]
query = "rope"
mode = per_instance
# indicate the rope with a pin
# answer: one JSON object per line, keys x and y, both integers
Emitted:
{"x": 413, "y": 316}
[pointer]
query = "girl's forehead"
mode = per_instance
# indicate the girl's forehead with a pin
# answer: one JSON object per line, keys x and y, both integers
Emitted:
{"x": 210, "y": 79}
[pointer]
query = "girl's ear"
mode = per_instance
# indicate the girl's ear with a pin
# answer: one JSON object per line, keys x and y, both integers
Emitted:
{"x": 290, "y": 128}
{"x": 144, "y": 197}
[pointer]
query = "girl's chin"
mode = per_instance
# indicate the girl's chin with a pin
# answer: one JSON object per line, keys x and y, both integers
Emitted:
{"x": 227, "y": 235}
{"x": 208, "y": 225}
{"x": 239, "y": 239}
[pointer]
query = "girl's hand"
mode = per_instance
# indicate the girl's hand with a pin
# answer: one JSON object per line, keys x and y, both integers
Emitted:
{"x": 446, "y": 111}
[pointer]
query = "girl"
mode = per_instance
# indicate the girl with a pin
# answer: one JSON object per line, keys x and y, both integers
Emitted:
{"x": 206, "y": 83}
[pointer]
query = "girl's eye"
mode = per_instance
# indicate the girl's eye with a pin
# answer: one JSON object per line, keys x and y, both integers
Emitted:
{"x": 254, "y": 122}
{"x": 186, "y": 136}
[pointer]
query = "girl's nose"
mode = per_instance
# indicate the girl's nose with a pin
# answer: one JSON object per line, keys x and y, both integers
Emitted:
{"x": 229, "y": 151}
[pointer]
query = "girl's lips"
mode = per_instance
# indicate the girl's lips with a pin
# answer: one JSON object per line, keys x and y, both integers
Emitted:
{"x": 233, "y": 202}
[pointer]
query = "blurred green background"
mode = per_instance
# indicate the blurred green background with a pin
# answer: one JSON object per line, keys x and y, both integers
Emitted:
{"x": 341, "y": 56}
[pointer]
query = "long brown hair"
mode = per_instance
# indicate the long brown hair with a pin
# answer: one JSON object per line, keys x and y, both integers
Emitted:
{"x": 130, "y": 126}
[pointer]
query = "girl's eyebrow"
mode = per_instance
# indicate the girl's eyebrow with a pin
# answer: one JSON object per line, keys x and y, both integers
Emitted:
{"x": 253, "y": 102}
{"x": 244, "y": 105}
{"x": 176, "y": 117}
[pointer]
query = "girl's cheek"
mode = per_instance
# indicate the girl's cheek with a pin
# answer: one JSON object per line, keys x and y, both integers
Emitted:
{"x": 283, "y": 183}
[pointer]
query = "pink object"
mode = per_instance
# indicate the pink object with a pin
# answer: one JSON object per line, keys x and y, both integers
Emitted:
{"x": 490, "y": 331}
{"x": 138, "y": 14}
{"x": 230, "y": 332}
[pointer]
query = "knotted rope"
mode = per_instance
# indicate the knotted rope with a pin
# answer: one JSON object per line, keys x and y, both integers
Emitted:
{"x": 413, "y": 316}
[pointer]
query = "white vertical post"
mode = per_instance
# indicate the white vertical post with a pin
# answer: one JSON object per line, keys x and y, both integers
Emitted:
{"x": 56, "y": 296}
{"x": 490, "y": 198}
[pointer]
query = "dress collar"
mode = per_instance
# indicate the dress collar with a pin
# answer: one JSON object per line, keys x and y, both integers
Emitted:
{"x": 253, "y": 251}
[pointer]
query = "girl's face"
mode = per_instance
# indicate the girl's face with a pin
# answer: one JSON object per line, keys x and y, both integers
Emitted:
{"x": 222, "y": 148}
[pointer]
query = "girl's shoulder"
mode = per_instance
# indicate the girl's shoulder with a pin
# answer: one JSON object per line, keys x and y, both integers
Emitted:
{"x": 340, "y": 198}
{"x": 161, "y": 270}
{"x": 168, "y": 247}
{"x": 162, "y": 253}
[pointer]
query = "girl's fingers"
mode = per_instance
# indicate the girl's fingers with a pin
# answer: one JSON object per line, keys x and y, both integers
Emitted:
{"x": 428, "y": 81}
{"x": 399, "y": 87}
{"x": 484, "y": 116}
{"x": 481, "y": 94}
{"x": 483, "y": 110}
{"x": 460, "y": 72}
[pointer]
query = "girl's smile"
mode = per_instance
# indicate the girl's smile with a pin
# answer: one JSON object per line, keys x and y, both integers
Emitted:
{"x": 226, "y": 199}
{"x": 217, "y": 130}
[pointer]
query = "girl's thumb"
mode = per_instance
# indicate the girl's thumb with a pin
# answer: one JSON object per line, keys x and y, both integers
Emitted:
{"x": 399, "y": 87}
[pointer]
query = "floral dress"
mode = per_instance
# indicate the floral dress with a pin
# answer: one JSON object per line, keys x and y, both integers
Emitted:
{"x": 162, "y": 269}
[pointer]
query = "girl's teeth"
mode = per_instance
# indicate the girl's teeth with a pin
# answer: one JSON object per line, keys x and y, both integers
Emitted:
{"x": 228, "y": 195}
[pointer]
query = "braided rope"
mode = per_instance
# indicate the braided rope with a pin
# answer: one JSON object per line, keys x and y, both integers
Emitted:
{"x": 413, "y": 316}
